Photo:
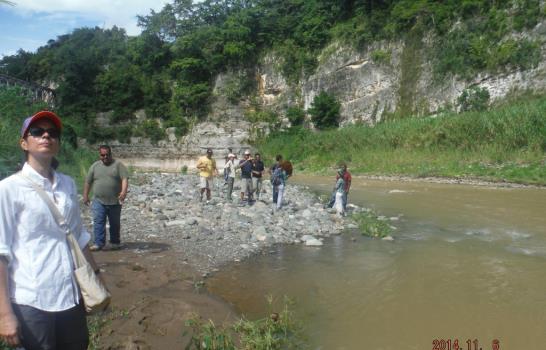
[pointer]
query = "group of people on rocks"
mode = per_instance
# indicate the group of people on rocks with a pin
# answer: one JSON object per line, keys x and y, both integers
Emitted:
{"x": 41, "y": 305}
{"x": 251, "y": 176}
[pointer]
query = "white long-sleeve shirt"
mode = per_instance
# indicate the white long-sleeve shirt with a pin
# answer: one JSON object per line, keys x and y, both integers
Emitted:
{"x": 40, "y": 263}
{"x": 232, "y": 167}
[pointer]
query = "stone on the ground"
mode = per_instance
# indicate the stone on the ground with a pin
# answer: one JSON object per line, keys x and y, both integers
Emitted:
{"x": 313, "y": 242}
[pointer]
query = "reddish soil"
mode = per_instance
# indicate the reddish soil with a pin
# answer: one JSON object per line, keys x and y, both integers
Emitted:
{"x": 153, "y": 295}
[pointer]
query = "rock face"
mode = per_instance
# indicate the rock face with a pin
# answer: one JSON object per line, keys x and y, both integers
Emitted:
{"x": 172, "y": 154}
{"x": 366, "y": 87}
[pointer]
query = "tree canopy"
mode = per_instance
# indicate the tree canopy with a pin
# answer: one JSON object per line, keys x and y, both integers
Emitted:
{"x": 169, "y": 68}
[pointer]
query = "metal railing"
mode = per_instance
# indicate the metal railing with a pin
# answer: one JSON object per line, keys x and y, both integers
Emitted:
{"x": 34, "y": 91}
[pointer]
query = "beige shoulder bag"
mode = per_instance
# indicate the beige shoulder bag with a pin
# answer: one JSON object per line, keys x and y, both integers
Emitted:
{"x": 95, "y": 295}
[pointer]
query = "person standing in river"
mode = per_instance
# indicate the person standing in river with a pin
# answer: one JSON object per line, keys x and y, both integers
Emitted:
{"x": 347, "y": 178}
{"x": 109, "y": 179}
{"x": 339, "y": 193}
{"x": 257, "y": 173}
{"x": 278, "y": 181}
{"x": 207, "y": 170}
{"x": 40, "y": 302}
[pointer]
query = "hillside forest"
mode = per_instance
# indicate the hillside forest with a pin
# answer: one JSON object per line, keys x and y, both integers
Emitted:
{"x": 169, "y": 69}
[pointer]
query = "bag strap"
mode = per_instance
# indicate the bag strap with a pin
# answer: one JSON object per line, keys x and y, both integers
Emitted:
{"x": 59, "y": 218}
{"x": 77, "y": 253}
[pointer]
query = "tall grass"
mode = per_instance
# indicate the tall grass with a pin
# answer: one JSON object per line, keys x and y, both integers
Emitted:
{"x": 14, "y": 108}
{"x": 279, "y": 330}
{"x": 507, "y": 143}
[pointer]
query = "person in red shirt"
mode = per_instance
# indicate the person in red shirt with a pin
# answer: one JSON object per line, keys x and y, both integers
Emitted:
{"x": 347, "y": 180}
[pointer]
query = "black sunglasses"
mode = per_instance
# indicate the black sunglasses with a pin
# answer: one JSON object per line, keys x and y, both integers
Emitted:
{"x": 38, "y": 132}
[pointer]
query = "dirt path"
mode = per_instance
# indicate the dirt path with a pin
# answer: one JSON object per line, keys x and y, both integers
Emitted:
{"x": 153, "y": 296}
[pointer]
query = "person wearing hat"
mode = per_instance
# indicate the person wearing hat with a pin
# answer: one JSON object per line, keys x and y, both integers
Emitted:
{"x": 109, "y": 179}
{"x": 40, "y": 302}
{"x": 246, "y": 176}
{"x": 207, "y": 170}
{"x": 229, "y": 169}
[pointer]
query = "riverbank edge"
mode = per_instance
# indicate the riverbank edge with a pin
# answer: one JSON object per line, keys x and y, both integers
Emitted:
{"x": 459, "y": 181}
{"x": 463, "y": 180}
{"x": 122, "y": 325}
{"x": 472, "y": 181}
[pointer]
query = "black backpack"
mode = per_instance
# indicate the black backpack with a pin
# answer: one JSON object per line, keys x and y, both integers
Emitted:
{"x": 276, "y": 176}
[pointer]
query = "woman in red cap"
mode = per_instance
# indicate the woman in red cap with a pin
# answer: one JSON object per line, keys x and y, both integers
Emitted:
{"x": 40, "y": 302}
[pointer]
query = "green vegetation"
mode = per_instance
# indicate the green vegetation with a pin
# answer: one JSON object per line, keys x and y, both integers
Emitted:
{"x": 507, "y": 143}
{"x": 410, "y": 70}
{"x": 150, "y": 129}
{"x": 381, "y": 57}
{"x": 370, "y": 225}
{"x": 295, "y": 115}
{"x": 277, "y": 331}
{"x": 14, "y": 108}
{"x": 324, "y": 111}
{"x": 169, "y": 70}
{"x": 262, "y": 116}
{"x": 474, "y": 99}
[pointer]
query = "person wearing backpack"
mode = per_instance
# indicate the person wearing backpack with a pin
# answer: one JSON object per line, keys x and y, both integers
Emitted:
{"x": 278, "y": 181}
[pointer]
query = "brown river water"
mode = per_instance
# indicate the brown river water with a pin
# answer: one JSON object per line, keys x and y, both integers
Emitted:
{"x": 468, "y": 263}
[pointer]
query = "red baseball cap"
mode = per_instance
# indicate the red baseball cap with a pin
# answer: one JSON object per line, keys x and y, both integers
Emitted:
{"x": 54, "y": 118}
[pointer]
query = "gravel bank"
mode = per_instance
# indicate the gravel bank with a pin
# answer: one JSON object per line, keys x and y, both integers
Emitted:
{"x": 164, "y": 208}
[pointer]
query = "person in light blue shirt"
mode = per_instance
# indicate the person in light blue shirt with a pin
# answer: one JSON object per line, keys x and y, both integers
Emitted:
{"x": 278, "y": 181}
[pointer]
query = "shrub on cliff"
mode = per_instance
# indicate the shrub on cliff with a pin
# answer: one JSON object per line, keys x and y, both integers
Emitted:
{"x": 325, "y": 111}
{"x": 474, "y": 98}
{"x": 295, "y": 115}
{"x": 150, "y": 129}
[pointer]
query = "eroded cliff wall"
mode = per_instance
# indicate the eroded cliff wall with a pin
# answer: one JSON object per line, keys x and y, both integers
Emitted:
{"x": 366, "y": 87}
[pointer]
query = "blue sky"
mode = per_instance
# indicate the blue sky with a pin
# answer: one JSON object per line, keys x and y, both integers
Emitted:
{"x": 29, "y": 24}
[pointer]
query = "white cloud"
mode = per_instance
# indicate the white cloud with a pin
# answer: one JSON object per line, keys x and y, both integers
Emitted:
{"x": 121, "y": 13}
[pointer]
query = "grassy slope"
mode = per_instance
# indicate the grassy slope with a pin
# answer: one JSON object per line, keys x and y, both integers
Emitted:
{"x": 504, "y": 144}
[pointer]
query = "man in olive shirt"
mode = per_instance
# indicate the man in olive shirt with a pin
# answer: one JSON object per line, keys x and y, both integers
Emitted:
{"x": 109, "y": 179}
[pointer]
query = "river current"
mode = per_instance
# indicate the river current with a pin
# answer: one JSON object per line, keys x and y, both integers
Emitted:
{"x": 468, "y": 264}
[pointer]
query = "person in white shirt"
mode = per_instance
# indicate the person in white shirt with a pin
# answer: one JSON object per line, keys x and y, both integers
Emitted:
{"x": 230, "y": 169}
{"x": 40, "y": 302}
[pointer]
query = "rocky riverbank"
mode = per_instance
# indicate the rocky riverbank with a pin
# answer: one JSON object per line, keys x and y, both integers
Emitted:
{"x": 172, "y": 241}
{"x": 165, "y": 208}
{"x": 451, "y": 181}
